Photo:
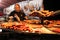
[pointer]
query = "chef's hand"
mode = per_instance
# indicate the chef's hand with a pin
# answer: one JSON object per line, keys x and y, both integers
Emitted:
{"x": 26, "y": 17}
{"x": 11, "y": 17}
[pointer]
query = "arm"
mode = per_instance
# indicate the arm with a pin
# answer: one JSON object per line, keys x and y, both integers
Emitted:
{"x": 42, "y": 7}
{"x": 11, "y": 16}
{"x": 17, "y": 17}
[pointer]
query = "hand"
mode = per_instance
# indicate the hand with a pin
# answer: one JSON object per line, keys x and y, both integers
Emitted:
{"x": 11, "y": 17}
{"x": 26, "y": 17}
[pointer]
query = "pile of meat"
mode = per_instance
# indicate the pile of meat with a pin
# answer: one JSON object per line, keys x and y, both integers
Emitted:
{"x": 17, "y": 26}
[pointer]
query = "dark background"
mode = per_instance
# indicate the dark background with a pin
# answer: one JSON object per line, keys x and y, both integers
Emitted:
{"x": 52, "y": 5}
{"x": 13, "y": 35}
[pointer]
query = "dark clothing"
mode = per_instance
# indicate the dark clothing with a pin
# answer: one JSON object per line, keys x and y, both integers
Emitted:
{"x": 20, "y": 14}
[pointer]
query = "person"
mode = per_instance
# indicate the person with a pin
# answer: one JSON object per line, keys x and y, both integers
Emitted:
{"x": 37, "y": 4}
{"x": 26, "y": 10}
{"x": 31, "y": 7}
{"x": 17, "y": 14}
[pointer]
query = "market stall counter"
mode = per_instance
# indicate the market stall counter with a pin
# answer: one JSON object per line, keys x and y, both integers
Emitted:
{"x": 26, "y": 27}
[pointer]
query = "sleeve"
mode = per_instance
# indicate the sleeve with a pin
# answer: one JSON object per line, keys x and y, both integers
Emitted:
{"x": 24, "y": 14}
{"x": 11, "y": 14}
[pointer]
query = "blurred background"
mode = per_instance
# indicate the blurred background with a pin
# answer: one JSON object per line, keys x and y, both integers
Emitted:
{"x": 6, "y": 6}
{"x": 51, "y": 5}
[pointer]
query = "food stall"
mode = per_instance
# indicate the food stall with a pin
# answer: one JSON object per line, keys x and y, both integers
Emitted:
{"x": 34, "y": 26}
{"x": 43, "y": 22}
